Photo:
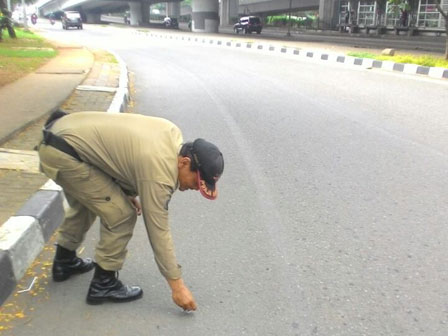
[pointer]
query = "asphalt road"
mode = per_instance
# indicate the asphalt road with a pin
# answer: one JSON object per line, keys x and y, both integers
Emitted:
{"x": 331, "y": 218}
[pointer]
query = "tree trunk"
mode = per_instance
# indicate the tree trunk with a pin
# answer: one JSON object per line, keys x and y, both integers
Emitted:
{"x": 7, "y": 13}
{"x": 11, "y": 31}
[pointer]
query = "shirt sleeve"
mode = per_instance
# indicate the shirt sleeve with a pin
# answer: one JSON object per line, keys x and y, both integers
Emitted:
{"x": 154, "y": 198}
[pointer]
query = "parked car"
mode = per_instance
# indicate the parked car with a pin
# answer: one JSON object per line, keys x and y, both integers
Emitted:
{"x": 248, "y": 25}
{"x": 71, "y": 19}
{"x": 171, "y": 22}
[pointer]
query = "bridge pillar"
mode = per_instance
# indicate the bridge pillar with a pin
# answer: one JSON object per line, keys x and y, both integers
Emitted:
{"x": 145, "y": 12}
{"x": 229, "y": 10}
{"x": 205, "y": 16}
{"x": 173, "y": 9}
{"x": 327, "y": 13}
{"x": 135, "y": 9}
{"x": 93, "y": 17}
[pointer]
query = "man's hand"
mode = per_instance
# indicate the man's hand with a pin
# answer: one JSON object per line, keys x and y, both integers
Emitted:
{"x": 181, "y": 295}
{"x": 136, "y": 205}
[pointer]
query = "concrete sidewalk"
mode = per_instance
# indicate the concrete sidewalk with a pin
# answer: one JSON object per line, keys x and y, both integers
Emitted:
{"x": 31, "y": 206}
{"x": 40, "y": 92}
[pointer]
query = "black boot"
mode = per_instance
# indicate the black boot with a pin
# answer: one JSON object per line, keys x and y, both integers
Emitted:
{"x": 105, "y": 286}
{"x": 66, "y": 264}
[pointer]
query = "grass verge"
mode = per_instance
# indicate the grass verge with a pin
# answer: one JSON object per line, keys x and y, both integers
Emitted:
{"x": 424, "y": 60}
{"x": 104, "y": 56}
{"x": 23, "y": 55}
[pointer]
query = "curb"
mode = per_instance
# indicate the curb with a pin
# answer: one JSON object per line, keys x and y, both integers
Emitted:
{"x": 23, "y": 236}
{"x": 121, "y": 98}
{"x": 367, "y": 63}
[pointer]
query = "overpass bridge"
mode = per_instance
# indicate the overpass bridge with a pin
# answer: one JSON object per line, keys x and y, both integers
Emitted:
{"x": 207, "y": 15}
{"x": 273, "y": 7}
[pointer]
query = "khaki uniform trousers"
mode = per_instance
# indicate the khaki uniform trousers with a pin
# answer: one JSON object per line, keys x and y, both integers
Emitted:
{"x": 91, "y": 193}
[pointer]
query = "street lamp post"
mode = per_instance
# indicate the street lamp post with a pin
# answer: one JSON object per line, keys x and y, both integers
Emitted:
{"x": 289, "y": 19}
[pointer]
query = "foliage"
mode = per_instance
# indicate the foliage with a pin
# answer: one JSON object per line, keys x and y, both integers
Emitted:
{"x": 160, "y": 6}
{"x": 19, "y": 2}
{"x": 400, "y": 4}
{"x": 424, "y": 60}
{"x": 306, "y": 20}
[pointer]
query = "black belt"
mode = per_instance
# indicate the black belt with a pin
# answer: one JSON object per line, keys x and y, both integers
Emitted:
{"x": 56, "y": 141}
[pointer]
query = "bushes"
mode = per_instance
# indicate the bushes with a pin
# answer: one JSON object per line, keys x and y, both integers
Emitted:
{"x": 296, "y": 21}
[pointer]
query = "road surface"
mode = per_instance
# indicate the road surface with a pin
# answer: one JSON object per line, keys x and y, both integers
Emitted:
{"x": 331, "y": 218}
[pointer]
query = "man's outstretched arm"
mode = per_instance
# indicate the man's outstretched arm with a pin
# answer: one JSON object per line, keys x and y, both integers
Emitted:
{"x": 155, "y": 198}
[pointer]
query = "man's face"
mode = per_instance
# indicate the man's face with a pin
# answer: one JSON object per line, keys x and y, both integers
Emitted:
{"x": 187, "y": 179}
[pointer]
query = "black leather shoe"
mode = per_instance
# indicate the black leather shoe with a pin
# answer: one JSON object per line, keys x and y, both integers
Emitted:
{"x": 66, "y": 264}
{"x": 64, "y": 269}
{"x": 105, "y": 286}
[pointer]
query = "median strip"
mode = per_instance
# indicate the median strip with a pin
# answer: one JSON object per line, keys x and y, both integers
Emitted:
{"x": 356, "y": 61}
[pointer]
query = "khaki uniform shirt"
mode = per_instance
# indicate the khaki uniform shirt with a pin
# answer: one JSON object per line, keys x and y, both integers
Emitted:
{"x": 140, "y": 153}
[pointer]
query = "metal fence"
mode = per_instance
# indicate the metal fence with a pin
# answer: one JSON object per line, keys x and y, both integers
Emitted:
{"x": 365, "y": 13}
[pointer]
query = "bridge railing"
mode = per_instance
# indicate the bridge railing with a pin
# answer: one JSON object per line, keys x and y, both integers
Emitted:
{"x": 113, "y": 19}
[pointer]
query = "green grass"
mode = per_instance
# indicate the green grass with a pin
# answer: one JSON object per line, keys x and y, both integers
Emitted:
{"x": 27, "y": 53}
{"x": 362, "y": 55}
{"x": 424, "y": 60}
{"x": 110, "y": 58}
{"x": 22, "y": 55}
{"x": 24, "y": 39}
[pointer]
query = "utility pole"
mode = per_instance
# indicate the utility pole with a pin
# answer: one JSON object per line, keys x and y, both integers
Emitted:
{"x": 25, "y": 21}
{"x": 289, "y": 19}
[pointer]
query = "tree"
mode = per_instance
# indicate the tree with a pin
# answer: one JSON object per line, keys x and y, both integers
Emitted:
{"x": 402, "y": 3}
{"x": 7, "y": 21}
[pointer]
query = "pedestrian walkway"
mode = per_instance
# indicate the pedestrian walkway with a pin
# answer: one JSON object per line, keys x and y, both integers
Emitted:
{"x": 76, "y": 80}
{"x": 39, "y": 91}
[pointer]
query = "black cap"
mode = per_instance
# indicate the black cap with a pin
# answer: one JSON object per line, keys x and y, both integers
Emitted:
{"x": 209, "y": 163}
